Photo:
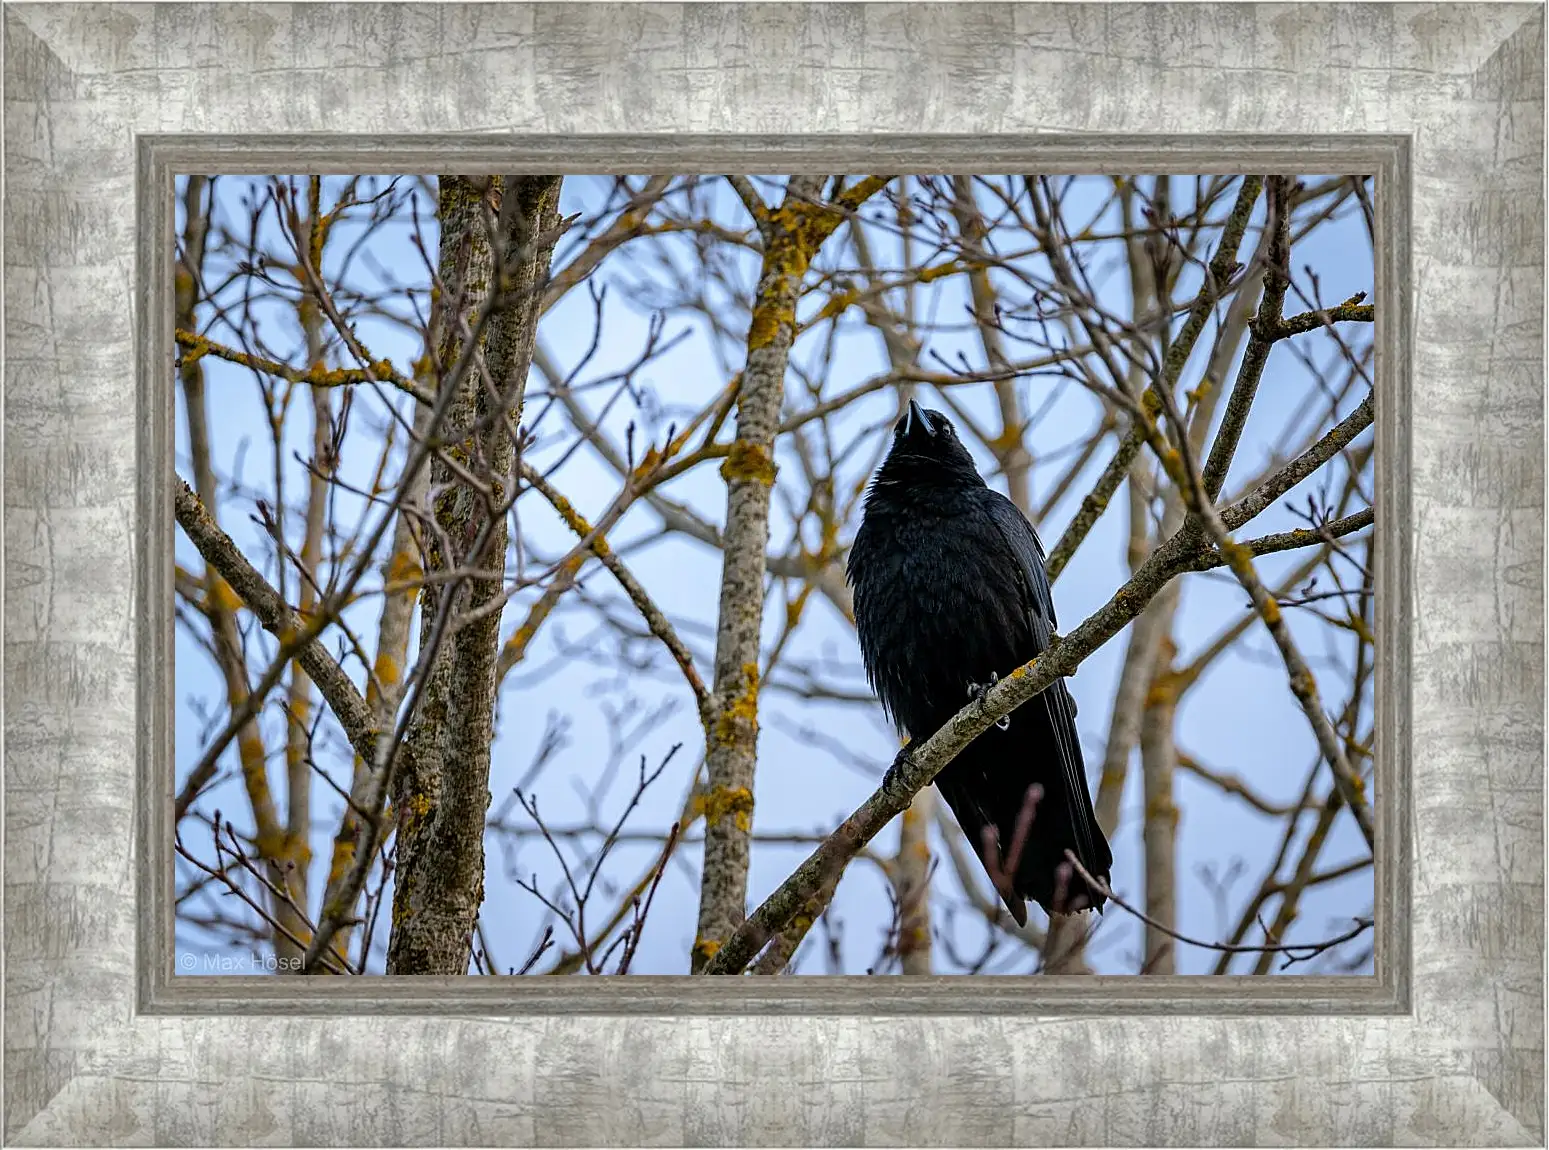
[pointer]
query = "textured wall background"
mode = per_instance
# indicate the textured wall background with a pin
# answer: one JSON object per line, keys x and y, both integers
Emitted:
{"x": 1464, "y": 81}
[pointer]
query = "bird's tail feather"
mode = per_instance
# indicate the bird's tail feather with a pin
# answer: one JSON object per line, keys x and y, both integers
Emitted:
{"x": 987, "y": 786}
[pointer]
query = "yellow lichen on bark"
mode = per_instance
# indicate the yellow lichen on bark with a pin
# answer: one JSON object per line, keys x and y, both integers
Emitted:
{"x": 734, "y": 801}
{"x": 1165, "y": 689}
{"x": 221, "y": 596}
{"x": 741, "y": 710}
{"x": 1163, "y": 809}
{"x": 343, "y": 856}
{"x": 766, "y": 323}
{"x": 749, "y": 461}
{"x": 403, "y": 570}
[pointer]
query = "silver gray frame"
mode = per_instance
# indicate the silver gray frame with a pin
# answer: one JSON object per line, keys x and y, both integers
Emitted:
{"x": 104, "y": 103}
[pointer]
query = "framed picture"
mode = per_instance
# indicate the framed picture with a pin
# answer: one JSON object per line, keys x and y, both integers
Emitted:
{"x": 564, "y": 586}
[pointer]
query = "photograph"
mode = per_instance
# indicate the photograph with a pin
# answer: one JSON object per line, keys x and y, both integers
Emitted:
{"x": 921, "y": 574}
{"x": 973, "y": 581}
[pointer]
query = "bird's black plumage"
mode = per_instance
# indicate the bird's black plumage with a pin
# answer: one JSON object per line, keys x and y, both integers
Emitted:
{"x": 951, "y": 591}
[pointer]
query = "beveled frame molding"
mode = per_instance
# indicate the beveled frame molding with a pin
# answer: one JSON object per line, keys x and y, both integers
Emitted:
{"x": 1385, "y": 992}
{"x": 1449, "y": 1052}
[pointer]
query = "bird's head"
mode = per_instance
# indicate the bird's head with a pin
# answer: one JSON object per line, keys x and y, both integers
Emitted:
{"x": 926, "y": 449}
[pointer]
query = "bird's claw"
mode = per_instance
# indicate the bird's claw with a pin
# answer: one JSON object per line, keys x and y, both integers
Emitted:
{"x": 903, "y": 759}
{"x": 981, "y": 692}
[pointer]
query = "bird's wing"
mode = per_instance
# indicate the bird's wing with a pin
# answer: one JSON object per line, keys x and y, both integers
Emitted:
{"x": 1023, "y": 541}
{"x": 1060, "y": 706}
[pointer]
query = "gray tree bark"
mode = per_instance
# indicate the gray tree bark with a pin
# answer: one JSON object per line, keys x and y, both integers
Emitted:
{"x": 792, "y": 235}
{"x": 440, "y": 803}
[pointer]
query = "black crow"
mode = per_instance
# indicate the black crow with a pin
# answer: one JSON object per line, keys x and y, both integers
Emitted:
{"x": 951, "y": 592}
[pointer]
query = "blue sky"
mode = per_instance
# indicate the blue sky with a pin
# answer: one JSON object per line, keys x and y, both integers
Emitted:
{"x": 1240, "y": 718}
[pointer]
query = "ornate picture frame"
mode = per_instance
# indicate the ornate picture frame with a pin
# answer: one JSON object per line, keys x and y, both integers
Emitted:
{"x": 105, "y": 103}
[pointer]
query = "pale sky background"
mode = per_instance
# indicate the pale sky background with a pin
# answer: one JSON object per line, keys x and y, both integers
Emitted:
{"x": 1241, "y": 718}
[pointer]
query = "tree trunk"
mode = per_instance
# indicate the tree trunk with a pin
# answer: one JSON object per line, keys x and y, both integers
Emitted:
{"x": 791, "y": 238}
{"x": 440, "y": 804}
{"x": 912, "y": 885}
{"x": 1159, "y": 832}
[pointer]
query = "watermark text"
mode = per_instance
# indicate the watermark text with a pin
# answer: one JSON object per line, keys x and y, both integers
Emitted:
{"x": 237, "y": 962}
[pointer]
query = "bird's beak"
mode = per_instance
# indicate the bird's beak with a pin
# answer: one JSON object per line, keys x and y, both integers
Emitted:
{"x": 916, "y": 415}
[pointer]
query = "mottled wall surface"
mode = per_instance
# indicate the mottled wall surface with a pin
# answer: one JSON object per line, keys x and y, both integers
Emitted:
{"x": 1464, "y": 82}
